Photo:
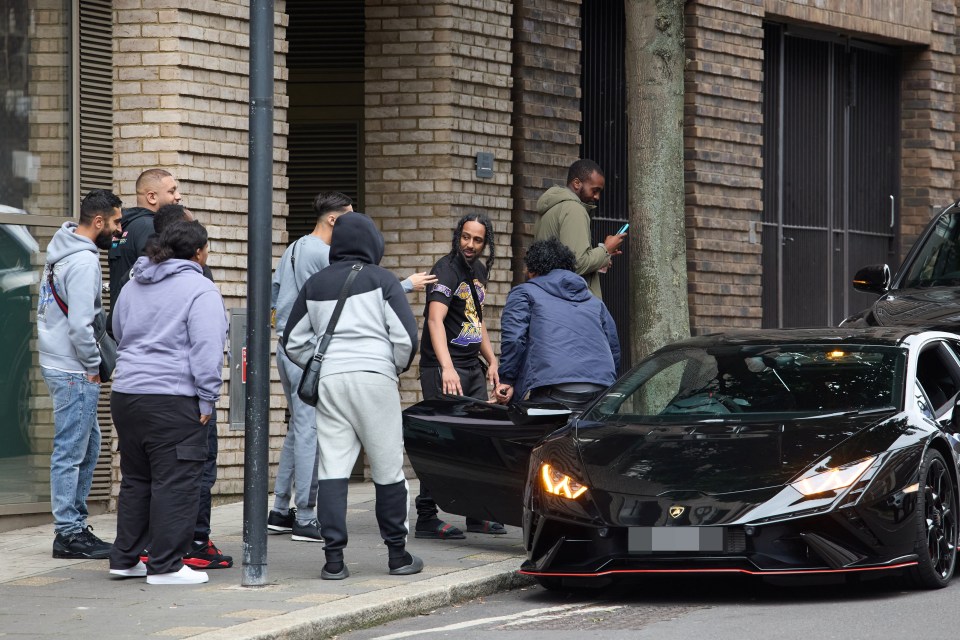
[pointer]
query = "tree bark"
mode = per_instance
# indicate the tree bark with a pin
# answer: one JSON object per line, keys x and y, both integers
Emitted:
{"x": 655, "y": 60}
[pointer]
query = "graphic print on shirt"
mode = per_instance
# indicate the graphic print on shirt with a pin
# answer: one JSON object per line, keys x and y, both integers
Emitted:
{"x": 470, "y": 331}
{"x": 45, "y": 299}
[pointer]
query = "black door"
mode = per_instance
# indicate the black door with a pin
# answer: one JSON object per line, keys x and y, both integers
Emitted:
{"x": 831, "y": 173}
{"x": 473, "y": 455}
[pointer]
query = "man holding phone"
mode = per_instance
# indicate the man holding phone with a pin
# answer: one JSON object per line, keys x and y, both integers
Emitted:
{"x": 565, "y": 215}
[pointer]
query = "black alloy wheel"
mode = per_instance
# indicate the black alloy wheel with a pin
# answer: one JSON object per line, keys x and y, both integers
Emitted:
{"x": 936, "y": 515}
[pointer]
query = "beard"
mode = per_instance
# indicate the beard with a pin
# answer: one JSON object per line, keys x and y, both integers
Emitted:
{"x": 104, "y": 240}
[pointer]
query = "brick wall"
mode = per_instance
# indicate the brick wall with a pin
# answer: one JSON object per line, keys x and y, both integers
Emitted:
{"x": 722, "y": 122}
{"x": 437, "y": 92}
{"x": 546, "y": 115}
{"x": 929, "y": 133}
{"x": 181, "y": 93}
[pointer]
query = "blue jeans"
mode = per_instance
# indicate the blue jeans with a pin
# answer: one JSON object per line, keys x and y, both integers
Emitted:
{"x": 300, "y": 454}
{"x": 76, "y": 447}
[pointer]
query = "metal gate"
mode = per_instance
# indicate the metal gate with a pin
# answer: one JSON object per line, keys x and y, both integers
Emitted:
{"x": 831, "y": 138}
{"x": 603, "y": 132}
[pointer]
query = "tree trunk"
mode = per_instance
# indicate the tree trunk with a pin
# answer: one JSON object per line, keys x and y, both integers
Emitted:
{"x": 655, "y": 58}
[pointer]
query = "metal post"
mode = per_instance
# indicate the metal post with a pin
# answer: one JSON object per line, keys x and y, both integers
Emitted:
{"x": 260, "y": 184}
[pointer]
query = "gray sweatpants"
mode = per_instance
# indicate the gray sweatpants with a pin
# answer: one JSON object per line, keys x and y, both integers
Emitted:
{"x": 360, "y": 408}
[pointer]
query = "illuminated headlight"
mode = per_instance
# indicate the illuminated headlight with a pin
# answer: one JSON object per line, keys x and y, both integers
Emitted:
{"x": 560, "y": 484}
{"x": 833, "y": 478}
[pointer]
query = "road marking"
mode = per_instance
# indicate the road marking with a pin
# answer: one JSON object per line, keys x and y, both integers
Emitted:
{"x": 545, "y": 611}
{"x": 562, "y": 614}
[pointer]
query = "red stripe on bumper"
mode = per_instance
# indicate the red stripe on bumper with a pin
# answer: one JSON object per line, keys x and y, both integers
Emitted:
{"x": 786, "y": 572}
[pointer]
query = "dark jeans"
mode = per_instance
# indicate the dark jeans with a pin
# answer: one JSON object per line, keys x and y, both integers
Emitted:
{"x": 474, "y": 385}
{"x": 209, "y": 477}
{"x": 163, "y": 448}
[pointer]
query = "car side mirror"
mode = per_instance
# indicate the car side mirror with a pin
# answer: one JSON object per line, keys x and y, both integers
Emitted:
{"x": 873, "y": 279}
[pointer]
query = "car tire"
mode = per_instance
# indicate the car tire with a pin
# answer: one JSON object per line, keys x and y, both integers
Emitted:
{"x": 936, "y": 519}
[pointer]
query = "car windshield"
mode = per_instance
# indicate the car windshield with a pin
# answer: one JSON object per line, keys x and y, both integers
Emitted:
{"x": 938, "y": 262}
{"x": 769, "y": 382}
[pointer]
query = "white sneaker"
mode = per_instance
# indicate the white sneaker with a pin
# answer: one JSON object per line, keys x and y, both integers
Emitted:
{"x": 186, "y": 575}
{"x": 136, "y": 571}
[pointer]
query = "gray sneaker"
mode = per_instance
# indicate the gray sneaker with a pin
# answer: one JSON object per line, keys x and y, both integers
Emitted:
{"x": 307, "y": 532}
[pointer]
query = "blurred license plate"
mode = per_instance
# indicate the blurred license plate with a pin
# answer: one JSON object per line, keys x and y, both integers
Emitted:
{"x": 658, "y": 539}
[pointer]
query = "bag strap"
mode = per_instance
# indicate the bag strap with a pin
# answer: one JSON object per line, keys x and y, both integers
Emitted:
{"x": 332, "y": 324}
{"x": 60, "y": 303}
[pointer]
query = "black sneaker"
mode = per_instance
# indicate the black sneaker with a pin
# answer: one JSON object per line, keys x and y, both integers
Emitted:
{"x": 277, "y": 523}
{"x": 81, "y": 545}
{"x": 309, "y": 532}
{"x": 206, "y": 555}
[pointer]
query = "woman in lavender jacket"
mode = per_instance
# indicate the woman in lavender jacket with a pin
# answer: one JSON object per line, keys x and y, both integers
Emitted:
{"x": 171, "y": 328}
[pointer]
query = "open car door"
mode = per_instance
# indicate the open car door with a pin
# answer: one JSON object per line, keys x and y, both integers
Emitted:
{"x": 473, "y": 455}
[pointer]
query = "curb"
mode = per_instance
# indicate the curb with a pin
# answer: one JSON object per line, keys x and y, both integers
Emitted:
{"x": 370, "y": 609}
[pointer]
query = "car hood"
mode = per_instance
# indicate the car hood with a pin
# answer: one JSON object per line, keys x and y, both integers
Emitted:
{"x": 934, "y": 307}
{"x": 710, "y": 459}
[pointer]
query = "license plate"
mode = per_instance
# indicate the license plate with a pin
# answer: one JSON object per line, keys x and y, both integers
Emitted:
{"x": 674, "y": 539}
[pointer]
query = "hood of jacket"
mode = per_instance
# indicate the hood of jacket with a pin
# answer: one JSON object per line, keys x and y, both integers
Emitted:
{"x": 147, "y": 272}
{"x": 555, "y": 195}
{"x": 133, "y": 214}
{"x": 66, "y": 242}
{"x": 357, "y": 239}
{"x": 563, "y": 284}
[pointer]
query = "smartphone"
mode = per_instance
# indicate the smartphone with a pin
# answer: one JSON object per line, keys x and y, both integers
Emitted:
{"x": 624, "y": 228}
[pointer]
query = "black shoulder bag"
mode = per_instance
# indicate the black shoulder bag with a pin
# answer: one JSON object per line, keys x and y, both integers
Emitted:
{"x": 105, "y": 344}
{"x": 310, "y": 380}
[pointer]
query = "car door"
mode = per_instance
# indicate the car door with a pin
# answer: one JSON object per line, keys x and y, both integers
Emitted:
{"x": 472, "y": 455}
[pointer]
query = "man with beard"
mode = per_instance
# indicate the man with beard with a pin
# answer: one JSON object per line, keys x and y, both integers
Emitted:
{"x": 155, "y": 188}
{"x": 70, "y": 364}
{"x": 454, "y": 335}
{"x": 565, "y": 215}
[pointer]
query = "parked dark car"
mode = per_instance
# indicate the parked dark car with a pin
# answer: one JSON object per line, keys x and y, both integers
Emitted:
{"x": 17, "y": 275}
{"x": 771, "y": 453}
{"x": 925, "y": 291}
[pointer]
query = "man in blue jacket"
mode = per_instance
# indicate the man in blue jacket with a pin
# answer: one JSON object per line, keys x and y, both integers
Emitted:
{"x": 558, "y": 342}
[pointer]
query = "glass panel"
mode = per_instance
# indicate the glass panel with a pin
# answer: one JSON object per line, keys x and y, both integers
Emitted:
{"x": 757, "y": 382}
{"x": 34, "y": 179}
{"x": 35, "y": 107}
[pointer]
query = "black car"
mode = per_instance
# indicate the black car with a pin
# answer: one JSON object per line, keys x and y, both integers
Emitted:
{"x": 772, "y": 453}
{"x": 926, "y": 289}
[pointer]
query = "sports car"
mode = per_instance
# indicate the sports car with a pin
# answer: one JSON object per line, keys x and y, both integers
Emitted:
{"x": 773, "y": 453}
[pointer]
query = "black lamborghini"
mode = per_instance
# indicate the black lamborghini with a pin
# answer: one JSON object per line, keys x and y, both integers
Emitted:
{"x": 770, "y": 453}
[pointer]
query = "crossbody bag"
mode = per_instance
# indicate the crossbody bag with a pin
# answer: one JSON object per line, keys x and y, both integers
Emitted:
{"x": 310, "y": 380}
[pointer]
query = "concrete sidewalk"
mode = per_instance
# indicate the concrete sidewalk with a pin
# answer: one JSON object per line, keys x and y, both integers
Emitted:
{"x": 45, "y": 598}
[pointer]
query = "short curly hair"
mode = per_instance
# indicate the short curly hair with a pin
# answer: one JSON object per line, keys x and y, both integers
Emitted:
{"x": 544, "y": 256}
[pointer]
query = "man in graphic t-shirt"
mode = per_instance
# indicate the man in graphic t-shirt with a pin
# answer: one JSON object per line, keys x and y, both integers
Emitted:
{"x": 454, "y": 338}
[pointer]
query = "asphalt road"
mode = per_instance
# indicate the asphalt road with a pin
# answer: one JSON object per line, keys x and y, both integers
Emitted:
{"x": 718, "y": 608}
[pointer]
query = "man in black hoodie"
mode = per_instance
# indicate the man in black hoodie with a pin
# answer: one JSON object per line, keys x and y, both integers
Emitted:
{"x": 373, "y": 342}
{"x": 155, "y": 188}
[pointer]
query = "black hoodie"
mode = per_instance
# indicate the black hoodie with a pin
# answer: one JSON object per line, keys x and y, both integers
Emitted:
{"x": 376, "y": 331}
{"x": 137, "y": 224}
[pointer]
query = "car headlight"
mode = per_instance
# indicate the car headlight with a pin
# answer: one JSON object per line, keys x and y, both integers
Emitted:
{"x": 833, "y": 478}
{"x": 557, "y": 483}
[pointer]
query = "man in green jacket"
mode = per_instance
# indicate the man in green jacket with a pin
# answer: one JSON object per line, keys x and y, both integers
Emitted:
{"x": 564, "y": 214}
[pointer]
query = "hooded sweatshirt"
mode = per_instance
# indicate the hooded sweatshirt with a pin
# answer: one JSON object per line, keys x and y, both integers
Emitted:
{"x": 67, "y": 343}
{"x": 552, "y": 331}
{"x": 376, "y": 331}
{"x": 565, "y": 217}
{"x": 137, "y": 224}
{"x": 171, "y": 330}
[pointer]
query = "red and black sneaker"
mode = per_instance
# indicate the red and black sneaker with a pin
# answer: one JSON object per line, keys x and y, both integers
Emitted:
{"x": 205, "y": 555}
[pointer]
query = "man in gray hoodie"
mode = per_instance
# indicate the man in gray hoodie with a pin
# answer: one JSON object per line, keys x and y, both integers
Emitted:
{"x": 70, "y": 364}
